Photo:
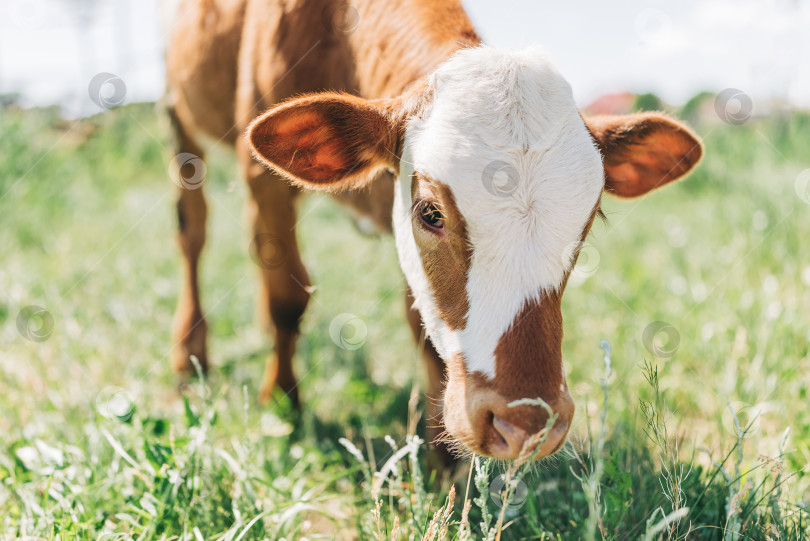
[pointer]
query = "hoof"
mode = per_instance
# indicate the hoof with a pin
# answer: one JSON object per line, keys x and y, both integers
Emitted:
{"x": 182, "y": 364}
{"x": 268, "y": 388}
{"x": 189, "y": 338}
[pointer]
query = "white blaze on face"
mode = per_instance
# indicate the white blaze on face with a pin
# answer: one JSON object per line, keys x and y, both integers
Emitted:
{"x": 444, "y": 340}
{"x": 504, "y": 135}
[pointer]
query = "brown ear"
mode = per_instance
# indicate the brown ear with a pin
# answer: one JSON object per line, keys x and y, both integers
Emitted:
{"x": 325, "y": 141}
{"x": 643, "y": 151}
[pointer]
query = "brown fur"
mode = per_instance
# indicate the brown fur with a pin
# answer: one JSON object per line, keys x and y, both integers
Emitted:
{"x": 189, "y": 328}
{"x": 325, "y": 139}
{"x": 230, "y": 60}
{"x": 528, "y": 364}
{"x": 446, "y": 258}
{"x": 643, "y": 151}
{"x": 528, "y": 358}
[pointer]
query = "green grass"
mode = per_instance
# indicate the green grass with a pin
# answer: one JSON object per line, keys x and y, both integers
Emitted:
{"x": 96, "y": 442}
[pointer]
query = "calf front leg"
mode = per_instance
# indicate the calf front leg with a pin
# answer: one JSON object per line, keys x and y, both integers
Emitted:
{"x": 285, "y": 286}
{"x": 189, "y": 330}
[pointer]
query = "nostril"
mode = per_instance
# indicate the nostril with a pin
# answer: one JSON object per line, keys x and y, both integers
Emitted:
{"x": 510, "y": 439}
{"x": 498, "y": 438}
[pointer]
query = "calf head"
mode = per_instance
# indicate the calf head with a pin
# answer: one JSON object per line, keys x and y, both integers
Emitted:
{"x": 500, "y": 179}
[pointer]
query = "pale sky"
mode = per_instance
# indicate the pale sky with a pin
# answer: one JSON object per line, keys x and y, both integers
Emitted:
{"x": 674, "y": 49}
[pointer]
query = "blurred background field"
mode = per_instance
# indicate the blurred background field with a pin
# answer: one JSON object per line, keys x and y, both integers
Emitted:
{"x": 95, "y": 436}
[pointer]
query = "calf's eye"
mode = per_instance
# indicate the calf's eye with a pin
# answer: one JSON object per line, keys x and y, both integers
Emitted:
{"x": 431, "y": 216}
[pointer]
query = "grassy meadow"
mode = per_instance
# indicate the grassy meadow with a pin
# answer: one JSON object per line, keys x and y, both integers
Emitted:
{"x": 699, "y": 428}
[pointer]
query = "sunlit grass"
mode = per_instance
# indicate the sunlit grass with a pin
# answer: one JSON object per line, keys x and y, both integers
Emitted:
{"x": 96, "y": 440}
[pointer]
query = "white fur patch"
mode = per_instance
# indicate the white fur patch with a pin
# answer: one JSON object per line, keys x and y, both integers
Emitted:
{"x": 504, "y": 134}
{"x": 410, "y": 260}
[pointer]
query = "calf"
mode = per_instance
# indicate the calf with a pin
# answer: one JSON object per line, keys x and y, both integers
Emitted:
{"x": 477, "y": 158}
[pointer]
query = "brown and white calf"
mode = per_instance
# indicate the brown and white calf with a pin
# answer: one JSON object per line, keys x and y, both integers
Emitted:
{"x": 477, "y": 158}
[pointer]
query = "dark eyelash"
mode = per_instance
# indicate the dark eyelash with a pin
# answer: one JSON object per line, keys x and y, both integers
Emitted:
{"x": 416, "y": 207}
{"x": 419, "y": 206}
{"x": 602, "y": 215}
{"x": 435, "y": 222}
